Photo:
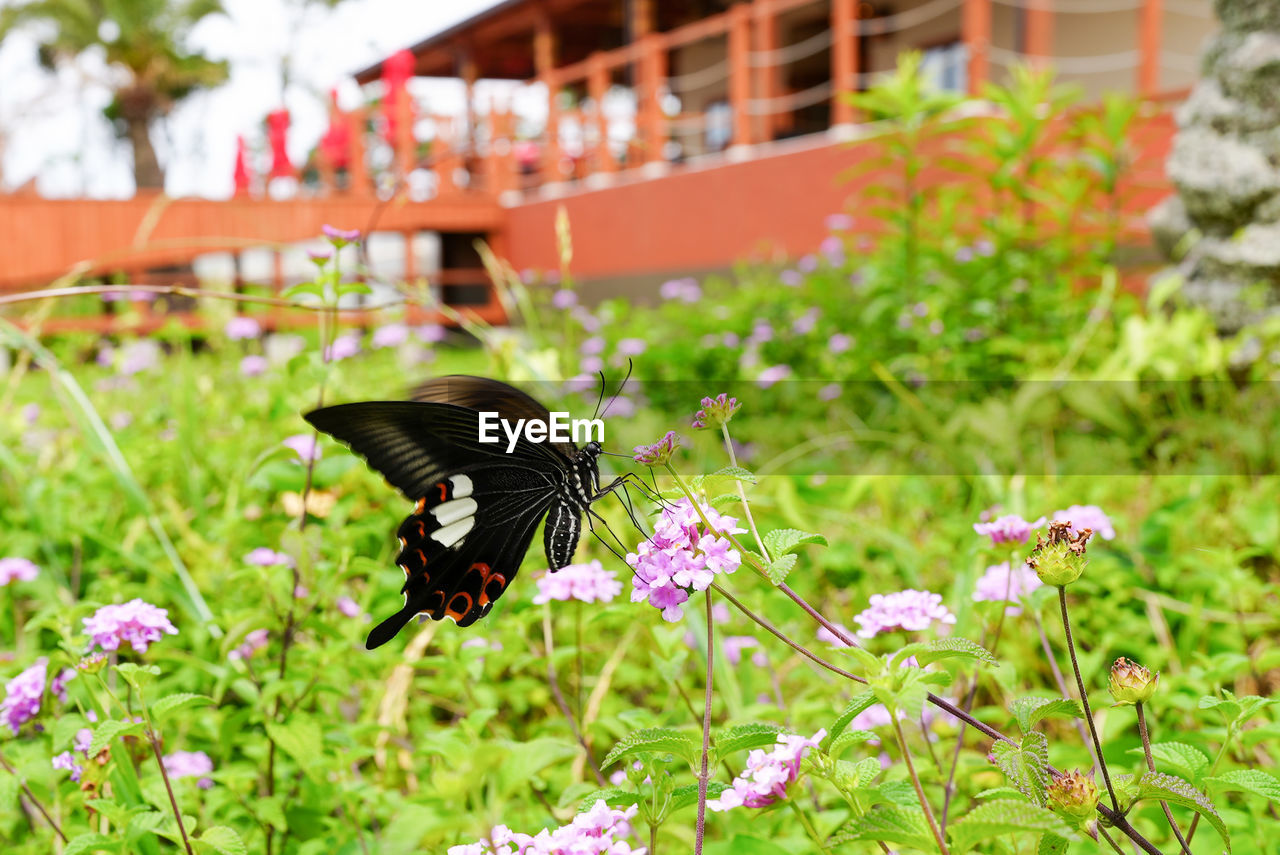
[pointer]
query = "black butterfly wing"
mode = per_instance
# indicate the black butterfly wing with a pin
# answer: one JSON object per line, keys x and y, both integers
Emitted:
{"x": 483, "y": 393}
{"x": 476, "y": 506}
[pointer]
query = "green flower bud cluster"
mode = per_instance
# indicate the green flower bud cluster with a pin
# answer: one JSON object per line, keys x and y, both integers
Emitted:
{"x": 1060, "y": 560}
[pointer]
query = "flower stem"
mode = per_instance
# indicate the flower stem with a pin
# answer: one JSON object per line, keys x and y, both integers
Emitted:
{"x": 742, "y": 494}
{"x": 1084, "y": 699}
{"x": 559, "y": 696}
{"x": 31, "y": 797}
{"x": 808, "y": 826}
{"x": 1107, "y": 837}
{"x": 915, "y": 782}
{"x": 173, "y": 801}
{"x": 705, "y": 776}
{"x": 1151, "y": 766}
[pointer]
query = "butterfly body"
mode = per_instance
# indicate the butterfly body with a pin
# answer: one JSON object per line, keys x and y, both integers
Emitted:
{"x": 476, "y": 506}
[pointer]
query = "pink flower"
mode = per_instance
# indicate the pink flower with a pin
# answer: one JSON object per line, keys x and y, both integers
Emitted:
{"x": 66, "y": 760}
{"x": 827, "y": 636}
{"x": 22, "y": 695}
{"x": 348, "y": 607}
{"x": 716, "y": 411}
{"x": 137, "y": 623}
{"x": 343, "y": 347}
{"x": 431, "y": 333}
{"x": 139, "y": 356}
{"x": 681, "y": 556}
{"x": 996, "y": 586}
{"x": 805, "y": 324}
{"x": 839, "y": 222}
{"x": 1010, "y": 528}
{"x": 253, "y": 642}
{"x": 909, "y": 610}
{"x": 791, "y": 278}
{"x": 592, "y": 346}
{"x": 58, "y": 685}
{"x": 832, "y": 248}
{"x": 305, "y": 445}
{"x": 660, "y": 452}
{"x": 253, "y": 365}
{"x": 19, "y": 569}
{"x": 772, "y": 375}
{"x": 829, "y": 392}
{"x": 735, "y": 644}
{"x": 839, "y": 343}
{"x": 631, "y": 346}
{"x": 190, "y": 764}
{"x": 767, "y": 775}
{"x": 390, "y": 335}
{"x": 1087, "y": 516}
{"x": 685, "y": 290}
{"x": 586, "y": 583}
{"x": 564, "y": 299}
{"x": 599, "y": 830}
{"x": 265, "y": 557}
{"x": 241, "y": 327}
{"x": 340, "y": 237}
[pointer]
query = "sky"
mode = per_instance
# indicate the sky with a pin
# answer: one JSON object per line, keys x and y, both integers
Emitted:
{"x": 52, "y": 130}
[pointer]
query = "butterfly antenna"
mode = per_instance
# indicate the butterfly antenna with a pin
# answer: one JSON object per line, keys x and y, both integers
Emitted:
{"x": 621, "y": 386}
{"x": 600, "y": 400}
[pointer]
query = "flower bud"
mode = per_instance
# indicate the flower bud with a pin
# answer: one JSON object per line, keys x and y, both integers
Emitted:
{"x": 1131, "y": 683}
{"x": 660, "y": 452}
{"x": 1073, "y": 794}
{"x": 92, "y": 664}
{"x": 716, "y": 411}
{"x": 1060, "y": 560}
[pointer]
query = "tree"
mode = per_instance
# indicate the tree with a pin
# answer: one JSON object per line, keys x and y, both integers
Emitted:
{"x": 146, "y": 40}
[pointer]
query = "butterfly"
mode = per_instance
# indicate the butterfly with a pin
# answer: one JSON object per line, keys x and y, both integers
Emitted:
{"x": 476, "y": 505}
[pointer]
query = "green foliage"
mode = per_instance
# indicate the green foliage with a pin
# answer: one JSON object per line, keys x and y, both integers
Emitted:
{"x": 1026, "y": 765}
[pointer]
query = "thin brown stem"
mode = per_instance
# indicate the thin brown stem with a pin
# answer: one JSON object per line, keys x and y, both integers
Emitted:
{"x": 1107, "y": 837}
{"x": 1084, "y": 698}
{"x": 915, "y": 782}
{"x": 554, "y": 681}
{"x": 1061, "y": 683}
{"x": 705, "y": 776}
{"x": 1151, "y": 767}
{"x": 168, "y": 786}
{"x": 31, "y": 797}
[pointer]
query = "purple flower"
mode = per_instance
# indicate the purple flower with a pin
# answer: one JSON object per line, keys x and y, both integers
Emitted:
{"x": 832, "y": 248}
{"x": 59, "y": 683}
{"x": 305, "y": 445}
{"x": 716, "y": 411}
{"x": 390, "y": 335}
{"x": 591, "y": 365}
{"x": 984, "y": 247}
{"x": 996, "y": 585}
{"x": 909, "y": 610}
{"x": 682, "y": 555}
{"x": 266, "y": 557}
{"x": 139, "y": 356}
{"x": 807, "y": 263}
{"x": 791, "y": 278}
{"x": 253, "y": 365}
{"x": 22, "y": 695}
{"x": 829, "y": 392}
{"x": 343, "y": 347}
{"x": 586, "y": 583}
{"x": 241, "y": 327}
{"x": 620, "y": 406}
{"x": 190, "y": 764}
{"x": 564, "y": 299}
{"x": 253, "y": 642}
{"x": 301, "y": 592}
{"x": 137, "y": 623}
{"x": 631, "y": 346}
{"x": 767, "y": 775}
{"x": 66, "y": 760}
{"x": 20, "y": 569}
{"x": 920, "y": 309}
{"x": 730, "y": 339}
{"x": 599, "y": 830}
{"x": 432, "y": 333}
{"x": 31, "y": 414}
{"x": 589, "y": 322}
{"x": 320, "y": 257}
{"x": 685, "y": 290}
{"x": 593, "y": 346}
{"x": 658, "y": 453}
{"x": 772, "y": 374}
{"x": 761, "y": 332}
{"x": 804, "y": 324}
{"x": 280, "y": 347}
{"x": 839, "y": 343}
{"x": 827, "y": 636}
{"x": 839, "y": 222}
{"x": 735, "y": 644}
{"x": 348, "y": 607}
{"x": 340, "y": 237}
{"x": 1080, "y": 517}
{"x": 964, "y": 254}
{"x": 1010, "y": 528}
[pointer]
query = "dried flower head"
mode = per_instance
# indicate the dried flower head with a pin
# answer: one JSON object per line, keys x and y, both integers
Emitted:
{"x": 1131, "y": 683}
{"x": 716, "y": 411}
{"x": 1074, "y": 794}
{"x": 1060, "y": 560}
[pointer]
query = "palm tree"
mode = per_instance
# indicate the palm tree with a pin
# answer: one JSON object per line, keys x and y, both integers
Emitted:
{"x": 143, "y": 38}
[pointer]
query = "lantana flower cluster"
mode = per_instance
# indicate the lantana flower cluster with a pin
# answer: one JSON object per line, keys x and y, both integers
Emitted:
{"x": 767, "y": 775}
{"x": 24, "y": 693}
{"x": 586, "y": 583}
{"x": 71, "y": 761}
{"x": 19, "y": 569}
{"x": 910, "y": 610}
{"x": 137, "y": 623}
{"x": 716, "y": 411}
{"x": 1000, "y": 584}
{"x": 1010, "y": 528}
{"x": 682, "y": 556}
{"x": 190, "y": 764}
{"x": 600, "y": 830}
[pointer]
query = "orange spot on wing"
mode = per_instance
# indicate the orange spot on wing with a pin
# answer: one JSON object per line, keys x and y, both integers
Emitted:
{"x": 444, "y": 491}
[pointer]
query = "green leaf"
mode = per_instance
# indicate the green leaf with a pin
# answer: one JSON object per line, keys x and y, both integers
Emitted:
{"x": 744, "y": 736}
{"x": 223, "y": 840}
{"x": 655, "y": 740}
{"x": 182, "y": 700}
{"x": 891, "y": 824}
{"x": 105, "y": 733}
{"x": 137, "y": 675}
{"x": 852, "y": 737}
{"x": 1026, "y": 766}
{"x": 998, "y": 818}
{"x": 1157, "y": 785}
{"x": 743, "y": 845}
{"x": 1052, "y": 844}
{"x": 353, "y": 288}
{"x": 301, "y": 739}
{"x": 1254, "y": 781}
{"x": 682, "y": 797}
{"x": 783, "y": 540}
{"x": 91, "y": 842}
{"x": 950, "y": 648}
{"x": 1001, "y": 793}
{"x": 613, "y": 797}
{"x": 1031, "y": 710}
{"x": 737, "y": 473}
{"x": 859, "y": 704}
{"x": 315, "y": 289}
{"x": 859, "y": 775}
{"x": 780, "y": 567}
{"x": 1178, "y": 758}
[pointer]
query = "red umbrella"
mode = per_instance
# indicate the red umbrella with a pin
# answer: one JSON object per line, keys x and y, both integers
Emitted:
{"x": 278, "y": 136}
{"x": 396, "y": 72}
{"x": 243, "y": 177}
